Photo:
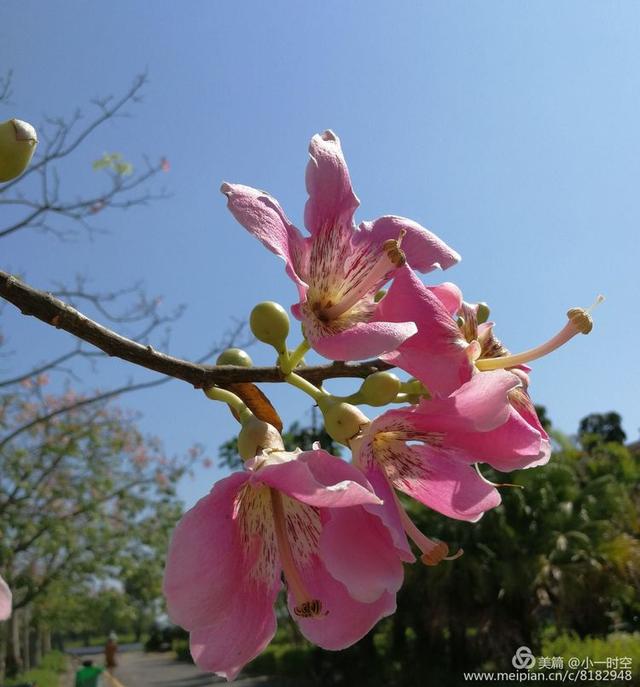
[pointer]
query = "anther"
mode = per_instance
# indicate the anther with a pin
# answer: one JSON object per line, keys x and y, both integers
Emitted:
{"x": 309, "y": 609}
{"x": 580, "y": 319}
{"x": 439, "y": 553}
{"x": 392, "y": 248}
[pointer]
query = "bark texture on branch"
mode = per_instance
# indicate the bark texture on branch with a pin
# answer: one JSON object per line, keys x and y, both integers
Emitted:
{"x": 61, "y": 315}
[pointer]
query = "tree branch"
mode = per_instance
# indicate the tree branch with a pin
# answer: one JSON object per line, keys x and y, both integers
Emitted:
{"x": 61, "y": 315}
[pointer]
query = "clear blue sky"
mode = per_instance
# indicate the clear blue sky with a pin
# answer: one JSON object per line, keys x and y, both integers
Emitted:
{"x": 509, "y": 128}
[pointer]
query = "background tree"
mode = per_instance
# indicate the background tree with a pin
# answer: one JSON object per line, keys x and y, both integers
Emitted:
{"x": 601, "y": 427}
{"x": 75, "y": 474}
{"x": 79, "y": 493}
{"x": 561, "y": 555}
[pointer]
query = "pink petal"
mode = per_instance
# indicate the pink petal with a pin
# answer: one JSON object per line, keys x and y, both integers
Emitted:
{"x": 318, "y": 479}
{"x": 346, "y": 620}
{"x": 388, "y": 512}
{"x": 449, "y": 295}
{"x": 448, "y": 485}
{"x": 239, "y": 634}
{"x": 482, "y": 404}
{"x": 424, "y": 250}
{"x": 331, "y": 198}
{"x": 512, "y": 446}
{"x": 436, "y": 355}
{"x": 358, "y": 551}
{"x": 363, "y": 340}
{"x": 205, "y": 559}
{"x": 5, "y": 600}
{"x": 263, "y": 217}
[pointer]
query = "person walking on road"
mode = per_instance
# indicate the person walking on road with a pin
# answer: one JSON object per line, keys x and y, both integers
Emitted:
{"x": 88, "y": 675}
{"x": 110, "y": 651}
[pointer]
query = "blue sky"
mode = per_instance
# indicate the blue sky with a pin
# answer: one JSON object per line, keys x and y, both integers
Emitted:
{"x": 510, "y": 129}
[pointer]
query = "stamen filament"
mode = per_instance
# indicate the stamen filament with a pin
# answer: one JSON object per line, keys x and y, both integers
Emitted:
{"x": 432, "y": 551}
{"x": 391, "y": 258}
{"x": 304, "y": 601}
{"x": 495, "y": 484}
{"x": 580, "y": 322}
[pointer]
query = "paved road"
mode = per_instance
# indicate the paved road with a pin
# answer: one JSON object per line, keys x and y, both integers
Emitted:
{"x": 137, "y": 669}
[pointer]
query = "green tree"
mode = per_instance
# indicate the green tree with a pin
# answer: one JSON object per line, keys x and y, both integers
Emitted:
{"x": 601, "y": 427}
{"x": 80, "y": 491}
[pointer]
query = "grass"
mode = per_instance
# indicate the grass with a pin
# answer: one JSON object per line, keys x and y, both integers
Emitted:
{"x": 47, "y": 675}
{"x": 616, "y": 646}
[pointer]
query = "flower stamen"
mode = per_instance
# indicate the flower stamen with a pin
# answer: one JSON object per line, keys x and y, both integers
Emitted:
{"x": 495, "y": 484}
{"x": 391, "y": 258}
{"x": 580, "y": 322}
{"x": 306, "y": 606}
{"x": 433, "y": 551}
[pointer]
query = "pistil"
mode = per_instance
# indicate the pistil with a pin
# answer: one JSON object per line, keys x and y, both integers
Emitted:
{"x": 580, "y": 322}
{"x": 306, "y": 606}
{"x": 391, "y": 258}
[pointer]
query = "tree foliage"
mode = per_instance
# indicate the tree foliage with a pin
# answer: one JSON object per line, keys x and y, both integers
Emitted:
{"x": 561, "y": 554}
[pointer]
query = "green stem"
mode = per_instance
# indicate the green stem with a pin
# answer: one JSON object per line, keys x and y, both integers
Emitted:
{"x": 354, "y": 399}
{"x": 284, "y": 362}
{"x": 217, "y": 394}
{"x": 298, "y": 354}
{"x": 302, "y": 384}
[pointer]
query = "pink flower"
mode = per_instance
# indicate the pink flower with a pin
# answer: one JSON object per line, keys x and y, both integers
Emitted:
{"x": 449, "y": 348}
{"x": 339, "y": 268}
{"x": 428, "y": 453}
{"x": 298, "y": 513}
{"x": 5, "y": 600}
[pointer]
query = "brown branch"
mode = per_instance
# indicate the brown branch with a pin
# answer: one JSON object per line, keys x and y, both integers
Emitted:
{"x": 61, "y": 315}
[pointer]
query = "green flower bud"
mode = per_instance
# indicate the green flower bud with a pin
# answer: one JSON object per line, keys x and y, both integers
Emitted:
{"x": 343, "y": 421}
{"x": 256, "y": 436}
{"x": 483, "y": 313}
{"x": 380, "y": 388}
{"x": 413, "y": 386}
{"x": 234, "y": 356}
{"x": 18, "y": 140}
{"x": 270, "y": 324}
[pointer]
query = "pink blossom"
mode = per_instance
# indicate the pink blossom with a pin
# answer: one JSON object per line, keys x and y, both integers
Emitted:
{"x": 5, "y": 600}
{"x": 301, "y": 514}
{"x": 428, "y": 453}
{"x": 161, "y": 479}
{"x": 443, "y": 354}
{"x": 339, "y": 268}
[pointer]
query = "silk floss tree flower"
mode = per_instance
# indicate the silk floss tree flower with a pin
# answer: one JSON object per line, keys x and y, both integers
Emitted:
{"x": 5, "y": 600}
{"x": 454, "y": 341}
{"x": 428, "y": 452}
{"x": 339, "y": 268}
{"x": 299, "y": 514}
